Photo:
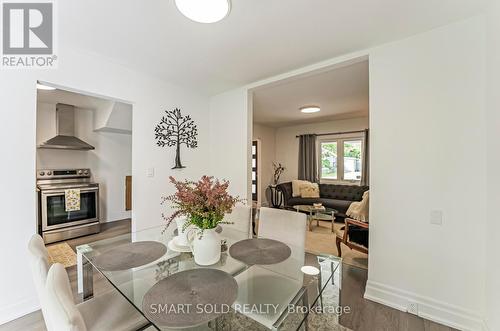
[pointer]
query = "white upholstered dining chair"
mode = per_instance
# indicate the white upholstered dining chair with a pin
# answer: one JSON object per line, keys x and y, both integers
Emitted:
{"x": 283, "y": 225}
{"x": 275, "y": 284}
{"x": 241, "y": 217}
{"x": 109, "y": 311}
{"x": 39, "y": 263}
{"x": 289, "y": 227}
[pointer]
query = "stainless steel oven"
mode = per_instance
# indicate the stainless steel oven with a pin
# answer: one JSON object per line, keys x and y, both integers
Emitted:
{"x": 55, "y": 223}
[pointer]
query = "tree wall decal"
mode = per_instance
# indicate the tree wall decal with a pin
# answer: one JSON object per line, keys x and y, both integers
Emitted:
{"x": 175, "y": 130}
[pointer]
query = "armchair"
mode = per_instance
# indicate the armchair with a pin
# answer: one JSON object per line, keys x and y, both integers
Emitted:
{"x": 343, "y": 236}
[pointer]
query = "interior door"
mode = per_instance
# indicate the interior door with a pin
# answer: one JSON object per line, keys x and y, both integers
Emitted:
{"x": 255, "y": 171}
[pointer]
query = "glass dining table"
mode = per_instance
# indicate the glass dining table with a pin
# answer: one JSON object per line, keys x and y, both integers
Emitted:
{"x": 282, "y": 296}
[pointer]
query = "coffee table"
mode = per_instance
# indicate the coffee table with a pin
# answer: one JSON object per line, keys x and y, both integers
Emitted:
{"x": 317, "y": 214}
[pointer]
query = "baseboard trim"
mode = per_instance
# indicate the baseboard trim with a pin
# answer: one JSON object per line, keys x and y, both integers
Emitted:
{"x": 428, "y": 308}
{"x": 18, "y": 309}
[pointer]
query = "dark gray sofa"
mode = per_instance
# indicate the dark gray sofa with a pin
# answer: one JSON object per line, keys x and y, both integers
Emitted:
{"x": 334, "y": 196}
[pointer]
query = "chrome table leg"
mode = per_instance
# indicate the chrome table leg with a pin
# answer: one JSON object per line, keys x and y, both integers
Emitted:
{"x": 320, "y": 288}
{"x": 88, "y": 279}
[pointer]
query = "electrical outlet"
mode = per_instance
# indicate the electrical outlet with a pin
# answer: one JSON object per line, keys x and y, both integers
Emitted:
{"x": 412, "y": 308}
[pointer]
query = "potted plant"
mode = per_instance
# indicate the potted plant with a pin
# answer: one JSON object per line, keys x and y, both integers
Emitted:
{"x": 278, "y": 170}
{"x": 203, "y": 204}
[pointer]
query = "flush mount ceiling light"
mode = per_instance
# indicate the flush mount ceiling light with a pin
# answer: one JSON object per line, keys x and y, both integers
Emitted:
{"x": 44, "y": 87}
{"x": 204, "y": 11}
{"x": 310, "y": 109}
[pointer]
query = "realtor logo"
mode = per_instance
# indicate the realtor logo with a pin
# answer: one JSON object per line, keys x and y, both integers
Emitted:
{"x": 28, "y": 34}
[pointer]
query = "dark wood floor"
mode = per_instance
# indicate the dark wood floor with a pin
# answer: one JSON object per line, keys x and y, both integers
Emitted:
{"x": 365, "y": 315}
{"x": 108, "y": 230}
{"x": 371, "y": 316}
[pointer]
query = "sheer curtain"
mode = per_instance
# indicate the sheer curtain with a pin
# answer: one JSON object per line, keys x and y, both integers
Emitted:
{"x": 308, "y": 160}
{"x": 365, "y": 168}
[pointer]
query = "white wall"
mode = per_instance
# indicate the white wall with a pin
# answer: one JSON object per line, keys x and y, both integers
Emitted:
{"x": 287, "y": 145}
{"x": 492, "y": 272}
{"x": 266, "y": 136}
{"x": 110, "y": 162}
{"x": 230, "y": 140}
{"x": 94, "y": 74}
{"x": 427, "y": 125}
{"x": 115, "y": 117}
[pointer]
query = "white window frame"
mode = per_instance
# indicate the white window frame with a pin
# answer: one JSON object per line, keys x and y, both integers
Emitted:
{"x": 339, "y": 139}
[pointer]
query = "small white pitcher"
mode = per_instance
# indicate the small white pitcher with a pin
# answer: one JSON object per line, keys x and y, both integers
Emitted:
{"x": 206, "y": 250}
{"x": 182, "y": 238}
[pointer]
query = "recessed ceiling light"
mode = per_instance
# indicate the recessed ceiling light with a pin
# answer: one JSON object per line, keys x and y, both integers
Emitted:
{"x": 204, "y": 11}
{"x": 44, "y": 87}
{"x": 310, "y": 109}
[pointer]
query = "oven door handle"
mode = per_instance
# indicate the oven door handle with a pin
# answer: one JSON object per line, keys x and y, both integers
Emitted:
{"x": 62, "y": 192}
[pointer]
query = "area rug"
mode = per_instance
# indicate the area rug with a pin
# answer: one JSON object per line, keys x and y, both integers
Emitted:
{"x": 62, "y": 253}
{"x": 322, "y": 240}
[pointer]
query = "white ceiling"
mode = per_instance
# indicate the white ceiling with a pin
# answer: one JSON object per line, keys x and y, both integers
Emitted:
{"x": 341, "y": 93}
{"x": 260, "y": 38}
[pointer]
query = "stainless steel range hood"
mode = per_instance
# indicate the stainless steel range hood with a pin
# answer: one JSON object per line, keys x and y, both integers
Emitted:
{"x": 65, "y": 138}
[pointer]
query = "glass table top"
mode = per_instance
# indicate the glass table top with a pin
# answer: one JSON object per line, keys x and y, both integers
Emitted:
{"x": 323, "y": 213}
{"x": 277, "y": 286}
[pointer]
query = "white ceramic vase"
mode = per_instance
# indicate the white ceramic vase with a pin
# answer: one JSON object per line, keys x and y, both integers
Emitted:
{"x": 207, "y": 249}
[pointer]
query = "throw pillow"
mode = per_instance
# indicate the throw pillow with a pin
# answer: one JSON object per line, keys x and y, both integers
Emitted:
{"x": 310, "y": 190}
{"x": 296, "y": 184}
{"x": 359, "y": 210}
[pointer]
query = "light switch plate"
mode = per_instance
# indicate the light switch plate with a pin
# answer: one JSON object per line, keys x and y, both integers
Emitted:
{"x": 151, "y": 172}
{"x": 436, "y": 217}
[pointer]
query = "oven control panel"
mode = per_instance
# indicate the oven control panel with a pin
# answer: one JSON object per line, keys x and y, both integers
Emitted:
{"x": 62, "y": 173}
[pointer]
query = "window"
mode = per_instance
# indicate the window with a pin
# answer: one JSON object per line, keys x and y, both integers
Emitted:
{"x": 352, "y": 159}
{"x": 340, "y": 158}
{"x": 329, "y": 160}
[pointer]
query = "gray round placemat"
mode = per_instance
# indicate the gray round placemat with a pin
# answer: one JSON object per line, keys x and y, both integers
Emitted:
{"x": 130, "y": 255}
{"x": 190, "y": 298}
{"x": 260, "y": 251}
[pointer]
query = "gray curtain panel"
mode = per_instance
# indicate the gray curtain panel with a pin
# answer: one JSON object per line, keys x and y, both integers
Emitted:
{"x": 365, "y": 168}
{"x": 308, "y": 161}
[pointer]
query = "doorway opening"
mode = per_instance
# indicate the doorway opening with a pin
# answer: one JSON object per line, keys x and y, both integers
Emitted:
{"x": 316, "y": 126}
{"x": 83, "y": 162}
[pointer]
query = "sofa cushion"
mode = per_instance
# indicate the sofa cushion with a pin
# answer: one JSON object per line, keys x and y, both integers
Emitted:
{"x": 340, "y": 205}
{"x": 302, "y": 201}
{"x": 342, "y": 192}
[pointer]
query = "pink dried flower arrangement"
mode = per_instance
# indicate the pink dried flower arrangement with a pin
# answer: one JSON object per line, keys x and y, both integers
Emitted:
{"x": 204, "y": 202}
